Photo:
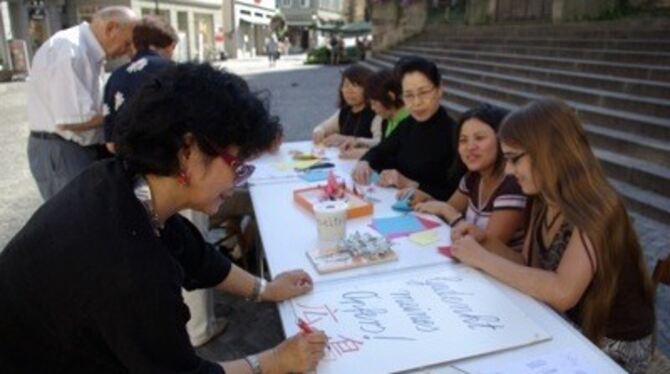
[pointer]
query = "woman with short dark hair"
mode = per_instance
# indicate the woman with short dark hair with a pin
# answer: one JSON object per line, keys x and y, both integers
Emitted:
{"x": 383, "y": 91}
{"x": 354, "y": 118}
{"x": 93, "y": 281}
{"x": 154, "y": 41}
{"x": 420, "y": 153}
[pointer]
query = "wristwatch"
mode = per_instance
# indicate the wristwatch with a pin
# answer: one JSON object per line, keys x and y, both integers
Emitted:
{"x": 254, "y": 364}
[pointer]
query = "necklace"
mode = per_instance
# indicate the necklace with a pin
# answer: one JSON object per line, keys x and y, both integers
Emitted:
{"x": 552, "y": 222}
{"x": 143, "y": 194}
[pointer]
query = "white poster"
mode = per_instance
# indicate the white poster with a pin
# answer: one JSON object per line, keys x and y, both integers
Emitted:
{"x": 414, "y": 320}
{"x": 565, "y": 361}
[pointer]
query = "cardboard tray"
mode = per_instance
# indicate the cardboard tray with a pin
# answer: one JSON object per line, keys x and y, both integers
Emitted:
{"x": 307, "y": 197}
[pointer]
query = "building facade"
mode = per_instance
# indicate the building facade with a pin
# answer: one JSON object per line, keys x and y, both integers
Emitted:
{"x": 247, "y": 26}
{"x": 306, "y": 19}
{"x": 199, "y": 23}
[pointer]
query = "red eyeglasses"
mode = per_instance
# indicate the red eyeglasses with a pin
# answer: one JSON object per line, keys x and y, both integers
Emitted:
{"x": 242, "y": 171}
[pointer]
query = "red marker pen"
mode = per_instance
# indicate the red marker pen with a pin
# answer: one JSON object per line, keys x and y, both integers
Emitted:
{"x": 305, "y": 328}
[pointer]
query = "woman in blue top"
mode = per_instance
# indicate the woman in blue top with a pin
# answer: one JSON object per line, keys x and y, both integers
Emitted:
{"x": 154, "y": 41}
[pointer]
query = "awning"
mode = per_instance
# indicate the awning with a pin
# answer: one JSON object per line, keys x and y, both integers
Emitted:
{"x": 354, "y": 28}
{"x": 254, "y": 20}
{"x": 361, "y": 27}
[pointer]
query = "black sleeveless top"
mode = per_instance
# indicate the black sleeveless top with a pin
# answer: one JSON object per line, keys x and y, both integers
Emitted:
{"x": 356, "y": 124}
{"x": 631, "y": 317}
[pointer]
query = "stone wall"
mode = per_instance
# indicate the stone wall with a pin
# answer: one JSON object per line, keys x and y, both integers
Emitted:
{"x": 480, "y": 12}
{"x": 650, "y": 3}
{"x": 394, "y": 21}
{"x": 571, "y": 10}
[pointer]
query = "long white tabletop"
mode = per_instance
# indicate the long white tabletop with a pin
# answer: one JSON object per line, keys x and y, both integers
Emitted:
{"x": 287, "y": 231}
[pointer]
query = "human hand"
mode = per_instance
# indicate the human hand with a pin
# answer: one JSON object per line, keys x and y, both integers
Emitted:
{"x": 433, "y": 207}
{"x": 468, "y": 251}
{"x": 94, "y": 123}
{"x": 362, "y": 172}
{"x": 287, "y": 285}
{"x": 464, "y": 229}
{"x": 352, "y": 153}
{"x": 334, "y": 140}
{"x": 318, "y": 136}
{"x": 348, "y": 143}
{"x": 301, "y": 353}
{"x": 419, "y": 197}
{"x": 393, "y": 178}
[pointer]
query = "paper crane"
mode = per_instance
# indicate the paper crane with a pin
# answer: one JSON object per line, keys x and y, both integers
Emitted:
{"x": 333, "y": 189}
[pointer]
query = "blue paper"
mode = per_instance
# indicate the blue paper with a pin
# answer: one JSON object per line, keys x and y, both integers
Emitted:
{"x": 398, "y": 225}
{"x": 317, "y": 175}
{"x": 402, "y": 206}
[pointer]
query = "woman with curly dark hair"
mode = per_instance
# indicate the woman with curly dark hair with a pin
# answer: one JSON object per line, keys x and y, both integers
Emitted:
{"x": 93, "y": 281}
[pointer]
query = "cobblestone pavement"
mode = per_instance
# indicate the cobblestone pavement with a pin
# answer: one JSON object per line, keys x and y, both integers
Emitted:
{"x": 302, "y": 96}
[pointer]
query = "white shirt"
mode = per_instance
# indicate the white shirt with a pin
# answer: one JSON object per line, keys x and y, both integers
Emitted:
{"x": 65, "y": 84}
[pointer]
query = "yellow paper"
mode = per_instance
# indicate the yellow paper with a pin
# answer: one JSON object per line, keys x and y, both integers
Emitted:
{"x": 290, "y": 165}
{"x": 424, "y": 237}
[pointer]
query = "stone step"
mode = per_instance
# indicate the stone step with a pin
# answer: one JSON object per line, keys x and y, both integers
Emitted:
{"x": 610, "y": 140}
{"x": 623, "y": 70}
{"x": 611, "y": 118}
{"x": 651, "y": 202}
{"x": 637, "y": 87}
{"x": 593, "y": 96}
{"x": 626, "y": 29}
{"x": 648, "y": 45}
{"x": 618, "y": 55}
{"x": 647, "y": 203}
{"x": 641, "y": 147}
{"x": 645, "y": 175}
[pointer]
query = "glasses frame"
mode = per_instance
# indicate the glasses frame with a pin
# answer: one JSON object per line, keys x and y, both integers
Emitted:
{"x": 421, "y": 95}
{"x": 514, "y": 159}
{"x": 241, "y": 170}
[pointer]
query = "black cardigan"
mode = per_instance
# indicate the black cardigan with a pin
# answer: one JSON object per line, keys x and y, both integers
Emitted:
{"x": 422, "y": 151}
{"x": 86, "y": 286}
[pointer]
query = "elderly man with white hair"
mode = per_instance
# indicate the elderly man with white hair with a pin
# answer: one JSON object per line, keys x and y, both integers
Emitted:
{"x": 65, "y": 96}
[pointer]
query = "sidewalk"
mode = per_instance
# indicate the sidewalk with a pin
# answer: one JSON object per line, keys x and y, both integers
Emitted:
{"x": 261, "y": 64}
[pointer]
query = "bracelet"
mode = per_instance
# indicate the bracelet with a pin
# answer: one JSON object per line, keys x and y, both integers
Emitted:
{"x": 256, "y": 291}
{"x": 264, "y": 285}
{"x": 259, "y": 287}
{"x": 457, "y": 220}
{"x": 254, "y": 364}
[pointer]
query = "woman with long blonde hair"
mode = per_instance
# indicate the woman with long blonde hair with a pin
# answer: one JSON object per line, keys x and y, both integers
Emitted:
{"x": 581, "y": 254}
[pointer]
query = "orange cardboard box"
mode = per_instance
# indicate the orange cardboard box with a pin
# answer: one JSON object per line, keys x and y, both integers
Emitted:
{"x": 307, "y": 197}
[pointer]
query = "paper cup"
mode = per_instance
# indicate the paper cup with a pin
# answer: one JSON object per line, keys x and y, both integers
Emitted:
{"x": 331, "y": 220}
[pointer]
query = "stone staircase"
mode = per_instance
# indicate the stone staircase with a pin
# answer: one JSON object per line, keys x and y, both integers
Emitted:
{"x": 616, "y": 75}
